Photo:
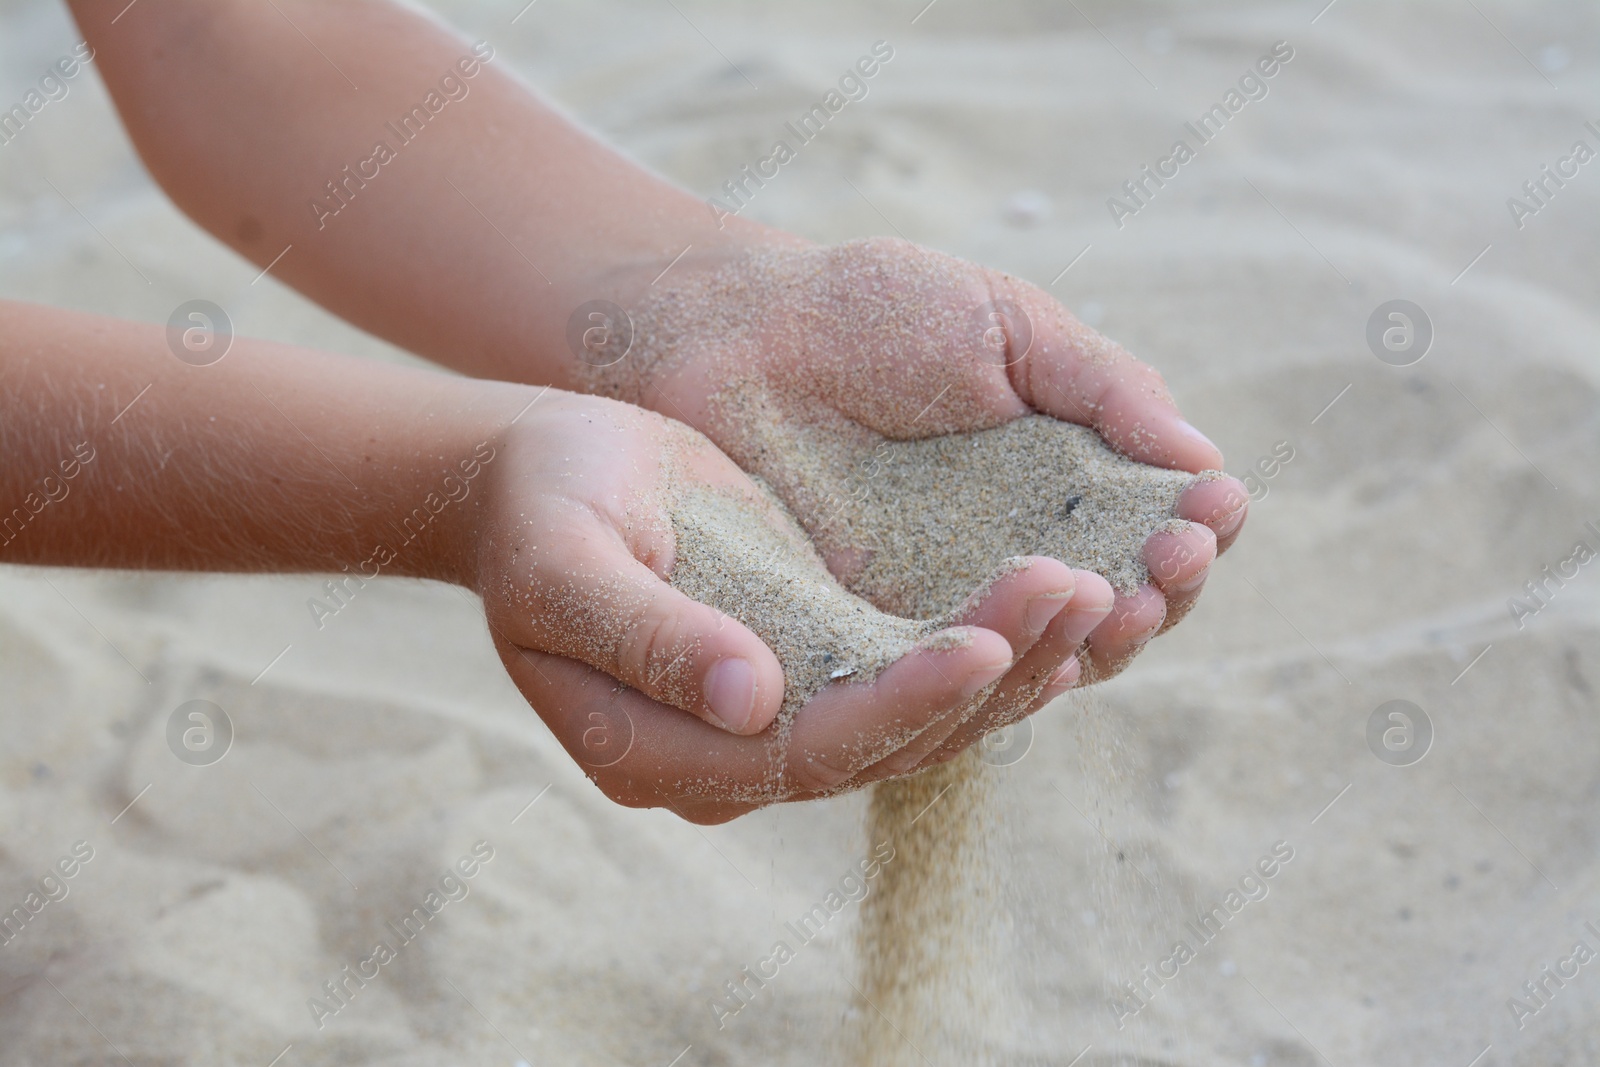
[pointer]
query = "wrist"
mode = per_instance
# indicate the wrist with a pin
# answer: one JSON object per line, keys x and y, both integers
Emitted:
{"x": 447, "y": 514}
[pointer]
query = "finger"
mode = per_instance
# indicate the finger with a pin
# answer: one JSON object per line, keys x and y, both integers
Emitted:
{"x": 600, "y": 605}
{"x": 1074, "y": 373}
{"x": 608, "y": 729}
{"x": 847, "y": 728}
{"x": 1049, "y": 667}
{"x": 1067, "y": 677}
{"x": 1045, "y": 662}
{"x": 1178, "y": 559}
{"x": 1178, "y": 562}
{"x": 1008, "y": 703}
{"x": 1091, "y": 604}
{"x": 917, "y": 335}
{"x": 1091, "y": 601}
{"x": 1020, "y": 604}
{"x": 644, "y": 754}
{"x": 1021, "y": 600}
{"x": 1128, "y": 628}
{"x": 1219, "y": 503}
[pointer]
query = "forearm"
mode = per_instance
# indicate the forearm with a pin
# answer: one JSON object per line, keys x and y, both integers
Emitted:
{"x": 471, "y": 245}
{"x": 115, "y": 453}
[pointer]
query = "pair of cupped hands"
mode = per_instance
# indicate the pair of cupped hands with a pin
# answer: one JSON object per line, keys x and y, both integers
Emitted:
{"x": 577, "y": 555}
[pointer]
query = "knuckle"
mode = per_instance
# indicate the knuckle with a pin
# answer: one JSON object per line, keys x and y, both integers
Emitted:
{"x": 646, "y": 644}
{"x": 899, "y": 764}
{"x": 1030, "y": 378}
{"x": 813, "y": 773}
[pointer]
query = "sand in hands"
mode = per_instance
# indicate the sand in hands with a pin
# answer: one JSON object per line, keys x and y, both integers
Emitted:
{"x": 745, "y": 555}
{"x": 915, "y": 526}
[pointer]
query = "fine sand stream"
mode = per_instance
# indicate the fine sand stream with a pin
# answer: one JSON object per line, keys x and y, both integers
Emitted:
{"x": 941, "y": 512}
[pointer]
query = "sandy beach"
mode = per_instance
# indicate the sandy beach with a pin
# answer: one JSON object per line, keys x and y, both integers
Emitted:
{"x": 1406, "y": 495}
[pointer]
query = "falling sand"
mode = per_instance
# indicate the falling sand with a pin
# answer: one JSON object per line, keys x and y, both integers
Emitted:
{"x": 942, "y": 514}
{"x": 915, "y": 527}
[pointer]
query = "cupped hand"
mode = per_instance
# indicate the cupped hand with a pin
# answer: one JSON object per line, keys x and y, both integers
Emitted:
{"x": 668, "y": 702}
{"x": 882, "y": 338}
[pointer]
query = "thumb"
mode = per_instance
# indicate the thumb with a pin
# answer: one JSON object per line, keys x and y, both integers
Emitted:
{"x": 1063, "y": 368}
{"x": 595, "y": 602}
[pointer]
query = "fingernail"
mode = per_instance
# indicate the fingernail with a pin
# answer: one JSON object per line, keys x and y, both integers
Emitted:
{"x": 1099, "y": 611}
{"x": 1044, "y": 608}
{"x": 1232, "y": 523}
{"x": 1143, "y": 639}
{"x": 983, "y": 676}
{"x": 1059, "y": 682}
{"x": 1192, "y": 584}
{"x": 731, "y": 693}
{"x": 1195, "y": 435}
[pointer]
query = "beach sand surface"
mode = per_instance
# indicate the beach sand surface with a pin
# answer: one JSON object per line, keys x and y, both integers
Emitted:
{"x": 373, "y": 753}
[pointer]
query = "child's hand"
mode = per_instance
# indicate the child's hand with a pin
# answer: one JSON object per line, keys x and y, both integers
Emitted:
{"x": 574, "y": 550}
{"x": 909, "y": 343}
{"x": 552, "y": 505}
{"x": 530, "y": 217}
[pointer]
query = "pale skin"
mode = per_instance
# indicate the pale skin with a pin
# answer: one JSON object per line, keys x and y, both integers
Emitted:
{"x": 472, "y": 247}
